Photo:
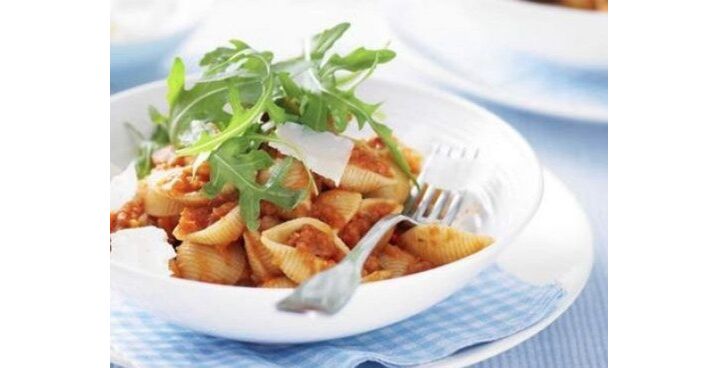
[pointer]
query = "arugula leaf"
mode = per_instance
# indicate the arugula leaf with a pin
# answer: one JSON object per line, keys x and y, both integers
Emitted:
{"x": 175, "y": 81}
{"x": 143, "y": 161}
{"x": 323, "y": 41}
{"x": 386, "y": 135}
{"x": 240, "y": 123}
{"x": 221, "y": 58}
{"x": 233, "y": 163}
{"x": 146, "y": 147}
{"x": 293, "y": 66}
{"x": 204, "y": 102}
{"x": 315, "y": 112}
{"x": 360, "y": 59}
{"x": 289, "y": 86}
{"x": 156, "y": 117}
{"x": 275, "y": 112}
{"x": 363, "y": 113}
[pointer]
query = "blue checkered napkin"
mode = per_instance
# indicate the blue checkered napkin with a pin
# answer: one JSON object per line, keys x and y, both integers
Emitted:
{"x": 493, "y": 306}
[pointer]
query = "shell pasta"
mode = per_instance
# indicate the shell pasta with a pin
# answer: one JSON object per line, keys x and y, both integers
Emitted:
{"x": 213, "y": 243}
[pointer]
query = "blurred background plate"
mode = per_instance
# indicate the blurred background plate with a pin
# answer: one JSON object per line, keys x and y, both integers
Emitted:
{"x": 144, "y": 35}
{"x": 541, "y": 58}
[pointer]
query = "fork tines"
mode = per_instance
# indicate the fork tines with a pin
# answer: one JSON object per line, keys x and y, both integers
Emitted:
{"x": 427, "y": 203}
{"x": 431, "y": 204}
{"x": 450, "y": 152}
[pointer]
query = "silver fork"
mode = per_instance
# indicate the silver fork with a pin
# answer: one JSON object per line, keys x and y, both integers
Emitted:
{"x": 330, "y": 290}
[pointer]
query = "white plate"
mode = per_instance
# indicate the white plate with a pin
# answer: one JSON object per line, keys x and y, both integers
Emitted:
{"x": 458, "y": 56}
{"x": 556, "y": 246}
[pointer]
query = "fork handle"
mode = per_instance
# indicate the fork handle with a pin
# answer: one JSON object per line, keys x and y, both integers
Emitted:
{"x": 365, "y": 246}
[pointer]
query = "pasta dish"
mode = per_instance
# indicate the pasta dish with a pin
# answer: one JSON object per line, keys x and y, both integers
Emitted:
{"x": 251, "y": 176}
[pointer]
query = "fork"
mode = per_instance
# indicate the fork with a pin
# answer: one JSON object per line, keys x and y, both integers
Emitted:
{"x": 328, "y": 291}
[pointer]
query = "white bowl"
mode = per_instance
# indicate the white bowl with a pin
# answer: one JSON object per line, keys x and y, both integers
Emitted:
{"x": 464, "y": 30}
{"x": 510, "y": 194}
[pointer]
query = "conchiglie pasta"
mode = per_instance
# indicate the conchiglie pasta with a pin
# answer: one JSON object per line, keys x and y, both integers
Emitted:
{"x": 157, "y": 202}
{"x": 215, "y": 264}
{"x": 371, "y": 211}
{"x": 169, "y": 191}
{"x": 281, "y": 282}
{"x": 336, "y": 207}
{"x": 299, "y": 258}
{"x": 377, "y": 276}
{"x": 441, "y": 244}
{"x": 297, "y": 265}
{"x": 301, "y": 210}
{"x": 297, "y": 177}
{"x": 366, "y": 171}
{"x": 226, "y": 229}
{"x": 413, "y": 158}
{"x": 362, "y": 180}
{"x": 398, "y": 191}
{"x": 260, "y": 258}
{"x": 399, "y": 262}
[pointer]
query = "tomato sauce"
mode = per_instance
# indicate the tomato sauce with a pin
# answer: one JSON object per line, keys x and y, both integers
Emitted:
{"x": 363, "y": 221}
{"x": 366, "y": 159}
{"x": 195, "y": 219}
{"x": 312, "y": 240}
{"x": 130, "y": 215}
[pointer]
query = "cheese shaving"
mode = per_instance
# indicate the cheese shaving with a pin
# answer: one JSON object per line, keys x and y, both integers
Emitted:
{"x": 324, "y": 153}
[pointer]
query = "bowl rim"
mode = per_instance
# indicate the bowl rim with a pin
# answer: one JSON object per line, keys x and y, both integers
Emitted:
{"x": 432, "y": 92}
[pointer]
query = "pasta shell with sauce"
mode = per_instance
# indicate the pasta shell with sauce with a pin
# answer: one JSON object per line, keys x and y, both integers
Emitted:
{"x": 260, "y": 258}
{"x": 161, "y": 200}
{"x": 398, "y": 191}
{"x": 378, "y": 276}
{"x": 413, "y": 158}
{"x": 296, "y": 264}
{"x": 215, "y": 264}
{"x": 442, "y": 244}
{"x": 158, "y": 203}
{"x": 301, "y": 210}
{"x": 225, "y": 230}
{"x": 336, "y": 207}
{"x": 297, "y": 178}
{"x": 366, "y": 170}
{"x": 371, "y": 210}
{"x": 281, "y": 282}
{"x": 361, "y": 180}
{"x": 397, "y": 261}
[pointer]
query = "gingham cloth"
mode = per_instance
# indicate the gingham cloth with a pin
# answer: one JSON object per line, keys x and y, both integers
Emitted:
{"x": 493, "y": 306}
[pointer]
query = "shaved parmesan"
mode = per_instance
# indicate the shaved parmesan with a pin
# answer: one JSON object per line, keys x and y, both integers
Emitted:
{"x": 123, "y": 187}
{"x": 144, "y": 249}
{"x": 324, "y": 153}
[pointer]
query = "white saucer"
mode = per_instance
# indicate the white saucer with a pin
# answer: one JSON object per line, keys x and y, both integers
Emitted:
{"x": 529, "y": 92}
{"x": 555, "y": 247}
{"x": 488, "y": 71}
